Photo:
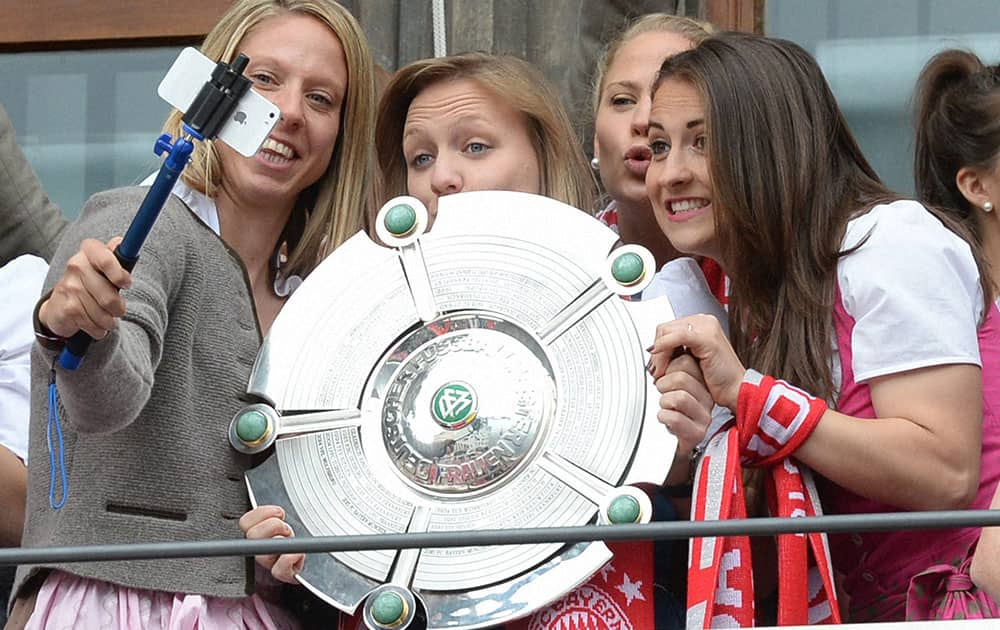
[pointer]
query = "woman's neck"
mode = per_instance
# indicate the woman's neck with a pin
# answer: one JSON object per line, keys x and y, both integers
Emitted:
{"x": 252, "y": 231}
{"x": 990, "y": 231}
{"x": 636, "y": 224}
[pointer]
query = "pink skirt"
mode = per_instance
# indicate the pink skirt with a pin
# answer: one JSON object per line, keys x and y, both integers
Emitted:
{"x": 66, "y": 601}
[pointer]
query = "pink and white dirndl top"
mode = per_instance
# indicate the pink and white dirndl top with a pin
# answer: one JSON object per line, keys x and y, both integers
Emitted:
{"x": 909, "y": 297}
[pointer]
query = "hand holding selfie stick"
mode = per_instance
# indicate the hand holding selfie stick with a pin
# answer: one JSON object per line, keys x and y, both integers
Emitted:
{"x": 210, "y": 110}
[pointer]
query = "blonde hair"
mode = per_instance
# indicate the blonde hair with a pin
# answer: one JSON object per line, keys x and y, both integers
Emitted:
{"x": 333, "y": 208}
{"x": 692, "y": 29}
{"x": 377, "y": 187}
{"x": 564, "y": 172}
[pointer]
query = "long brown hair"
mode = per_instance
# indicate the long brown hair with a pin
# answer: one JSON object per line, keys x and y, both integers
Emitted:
{"x": 565, "y": 174}
{"x": 787, "y": 175}
{"x": 957, "y": 124}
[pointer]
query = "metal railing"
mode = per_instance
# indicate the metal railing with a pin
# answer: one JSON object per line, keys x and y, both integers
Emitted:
{"x": 650, "y": 531}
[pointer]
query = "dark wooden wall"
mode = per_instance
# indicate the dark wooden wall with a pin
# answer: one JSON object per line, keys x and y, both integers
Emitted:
{"x": 71, "y": 24}
{"x": 562, "y": 37}
{"x": 399, "y": 29}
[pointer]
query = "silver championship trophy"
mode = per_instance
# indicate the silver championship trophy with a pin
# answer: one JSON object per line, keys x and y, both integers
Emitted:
{"x": 482, "y": 375}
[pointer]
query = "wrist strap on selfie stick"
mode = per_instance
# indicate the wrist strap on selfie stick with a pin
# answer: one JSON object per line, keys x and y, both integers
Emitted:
{"x": 206, "y": 116}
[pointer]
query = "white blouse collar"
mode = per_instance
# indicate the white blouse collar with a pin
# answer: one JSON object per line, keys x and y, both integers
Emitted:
{"x": 204, "y": 208}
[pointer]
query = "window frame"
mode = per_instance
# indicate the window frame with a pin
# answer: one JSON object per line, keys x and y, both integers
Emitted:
{"x": 735, "y": 15}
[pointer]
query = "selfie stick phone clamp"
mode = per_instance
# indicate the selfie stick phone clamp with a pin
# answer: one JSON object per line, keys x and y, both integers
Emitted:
{"x": 204, "y": 118}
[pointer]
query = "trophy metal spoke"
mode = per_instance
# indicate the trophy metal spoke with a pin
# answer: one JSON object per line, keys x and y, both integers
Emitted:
{"x": 418, "y": 281}
{"x": 628, "y": 270}
{"x": 581, "y": 306}
{"x": 392, "y": 605}
{"x": 310, "y": 422}
{"x": 617, "y": 505}
{"x": 399, "y": 224}
{"x": 256, "y": 427}
{"x": 406, "y": 561}
{"x": 582, "y": 481}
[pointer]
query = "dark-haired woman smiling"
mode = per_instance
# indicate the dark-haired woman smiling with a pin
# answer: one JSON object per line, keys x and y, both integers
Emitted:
{"x": 876, "y": 307}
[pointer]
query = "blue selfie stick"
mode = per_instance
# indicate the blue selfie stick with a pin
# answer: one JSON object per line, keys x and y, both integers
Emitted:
{"x": 205, "y": 117}
{"x": 127, "y": 251}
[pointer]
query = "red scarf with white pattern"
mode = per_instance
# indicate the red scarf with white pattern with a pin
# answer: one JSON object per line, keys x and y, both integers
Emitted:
{"x": 773, "y": 419}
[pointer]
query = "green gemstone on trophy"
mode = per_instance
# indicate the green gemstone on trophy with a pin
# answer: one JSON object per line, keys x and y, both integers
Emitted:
{"x": 388, "y": 608}
{"x": 624, "y": 509}
{"x": 627, "y": 269}
{"x": 454, "y": 405}
{"x": 400, "y": 219}
{"x": 251, "y": 426}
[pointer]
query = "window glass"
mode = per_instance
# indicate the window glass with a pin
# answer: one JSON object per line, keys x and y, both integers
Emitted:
{"x": 87, "y": 120}
{"x": 872, "y": 52}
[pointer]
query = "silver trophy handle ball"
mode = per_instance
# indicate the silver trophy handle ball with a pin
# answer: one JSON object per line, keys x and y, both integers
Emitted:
{"x": 485, "y": 374}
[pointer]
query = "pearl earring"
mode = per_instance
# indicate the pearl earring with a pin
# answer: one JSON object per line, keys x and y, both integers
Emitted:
{"x": 988, "y": 206}
{"x": 595, "y": 164}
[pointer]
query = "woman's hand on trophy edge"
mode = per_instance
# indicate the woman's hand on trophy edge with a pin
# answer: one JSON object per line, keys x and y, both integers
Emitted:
{"x": 267, "y": 521}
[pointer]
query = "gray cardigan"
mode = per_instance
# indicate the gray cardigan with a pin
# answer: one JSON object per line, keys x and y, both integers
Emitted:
{"x": 29, "y": 222}
{"x": 145, "y": 418}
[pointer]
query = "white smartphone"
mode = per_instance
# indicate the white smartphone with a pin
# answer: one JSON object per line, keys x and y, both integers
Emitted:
{"x": 250, "y": 123}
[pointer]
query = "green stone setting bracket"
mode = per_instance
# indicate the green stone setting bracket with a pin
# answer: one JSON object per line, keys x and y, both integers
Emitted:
{"x": 388, "y": 608}
{"x": 400, "y": 220}
{"x": 628, "y": 269}
{"x": 252, "y": 427}
{"x": 624, "y": 509}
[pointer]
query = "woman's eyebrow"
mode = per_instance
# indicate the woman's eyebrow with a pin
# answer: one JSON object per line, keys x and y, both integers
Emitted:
{"x": 691, "y": 125}
{"x": 628, "y": 85}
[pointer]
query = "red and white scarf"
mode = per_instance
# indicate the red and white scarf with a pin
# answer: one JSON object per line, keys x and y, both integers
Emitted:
{"x": 773, "y": 419}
